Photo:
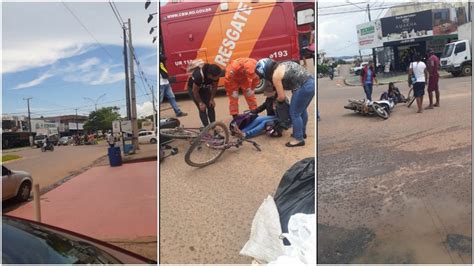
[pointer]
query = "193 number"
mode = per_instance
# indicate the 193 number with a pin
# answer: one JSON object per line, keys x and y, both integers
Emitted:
{"x": 279, "y": 54}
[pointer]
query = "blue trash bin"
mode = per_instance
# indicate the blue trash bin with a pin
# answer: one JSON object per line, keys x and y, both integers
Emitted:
{"x": 115, "y": 158}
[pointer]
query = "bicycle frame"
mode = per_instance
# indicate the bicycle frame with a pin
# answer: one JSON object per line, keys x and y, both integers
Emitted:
{"x": 213, "y": 143}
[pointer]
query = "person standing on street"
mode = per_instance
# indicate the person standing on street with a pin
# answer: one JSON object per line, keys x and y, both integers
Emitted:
{"x": 111, "y": 140}
{"x": 202, "y": 86}
{"x": 165, "y": 88}
{"x": 367, "y": 79}
{"x": 289, "y": 75}
{"x": 433, "y": 65}
{"x": 418, "y": 74}
{"x": 240, "y": 75}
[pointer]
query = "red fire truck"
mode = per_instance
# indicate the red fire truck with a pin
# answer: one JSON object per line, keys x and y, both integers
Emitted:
{"x": 218, "y": 32}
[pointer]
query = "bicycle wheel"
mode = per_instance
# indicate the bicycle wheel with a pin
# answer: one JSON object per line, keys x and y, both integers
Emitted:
{"x": 410, "y": 98}
{"x": 208, "y": 146}
{"x": 179, "y": 133}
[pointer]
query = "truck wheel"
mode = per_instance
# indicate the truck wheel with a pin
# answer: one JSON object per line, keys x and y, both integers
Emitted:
{"x": 456, "y": 73}
{"x": 260, "y": 87}
{"x": 466, "y": 70}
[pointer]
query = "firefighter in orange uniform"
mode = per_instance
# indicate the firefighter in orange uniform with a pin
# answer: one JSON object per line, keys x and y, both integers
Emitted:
{"x": 240, "y": 74}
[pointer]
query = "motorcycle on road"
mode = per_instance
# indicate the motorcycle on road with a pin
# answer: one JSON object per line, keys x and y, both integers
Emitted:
{"x": 381, "y": 108}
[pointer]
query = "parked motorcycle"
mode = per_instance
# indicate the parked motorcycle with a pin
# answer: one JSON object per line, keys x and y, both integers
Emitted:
{"x": 47, "y": 147}
{"x": 381, "y": 108}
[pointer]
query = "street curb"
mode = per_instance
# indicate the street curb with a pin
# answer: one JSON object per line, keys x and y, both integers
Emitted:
{"x": 141, "y": 160}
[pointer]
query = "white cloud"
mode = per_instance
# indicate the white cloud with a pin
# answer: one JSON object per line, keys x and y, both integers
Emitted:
{"x": 34, "y": 82}
{"x": 107, "y": 78}
{"x": 41, "y": 33}
{"x": 145, "y": 109}
{"x": 23, "y": 57}
{"x": 88, "y": 64}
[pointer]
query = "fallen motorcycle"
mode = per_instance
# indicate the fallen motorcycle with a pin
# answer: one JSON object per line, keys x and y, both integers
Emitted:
{"x": 381, "y": 108}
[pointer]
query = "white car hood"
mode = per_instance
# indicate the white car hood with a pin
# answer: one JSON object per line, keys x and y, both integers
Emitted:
{"x": 22, "y": 173}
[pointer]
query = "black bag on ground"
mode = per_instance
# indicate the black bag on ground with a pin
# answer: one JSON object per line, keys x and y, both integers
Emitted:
{"x": 295, "y": 193}
{"x": 168, "y": 123}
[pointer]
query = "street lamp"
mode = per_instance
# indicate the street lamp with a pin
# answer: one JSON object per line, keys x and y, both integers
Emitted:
{"x": 150, "y": 17}
{"x": 96, "y": 101}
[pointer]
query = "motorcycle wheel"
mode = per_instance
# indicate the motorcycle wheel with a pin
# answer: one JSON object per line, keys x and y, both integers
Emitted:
{"x": 52, "y": 148}
{"x": 43, "y": 149}
{"x": 380, "y": 111}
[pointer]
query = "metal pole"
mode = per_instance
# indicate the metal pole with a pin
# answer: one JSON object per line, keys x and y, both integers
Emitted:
{"x": 132, "y": 91}
{"x": 154, "y": 108}
{"x": 77, "y": 126}
{"x": 29, "y": 120}
{"x": 374, "y": 57}
{"x": 37, "y": 198}
{"x": 127, "y": 80}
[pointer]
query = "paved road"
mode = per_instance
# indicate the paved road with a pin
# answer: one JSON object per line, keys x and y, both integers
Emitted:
{"x": 50, "y": 167}
{"x": 206, "y": 214}
{"x": 399, "y": 187}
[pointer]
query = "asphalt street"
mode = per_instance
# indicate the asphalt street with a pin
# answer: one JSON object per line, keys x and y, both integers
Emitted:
{"x": 206, "y": 214}
{"x": 49, "y": 167}
{"x": 395, "y": 190}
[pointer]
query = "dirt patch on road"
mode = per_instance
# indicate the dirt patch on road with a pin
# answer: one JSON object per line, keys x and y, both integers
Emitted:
{"x": 340, "y": 245}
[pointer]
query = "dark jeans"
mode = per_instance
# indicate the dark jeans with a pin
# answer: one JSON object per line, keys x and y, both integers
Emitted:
{"x": 209, "y": 114}
{"x": 368, "y": 91}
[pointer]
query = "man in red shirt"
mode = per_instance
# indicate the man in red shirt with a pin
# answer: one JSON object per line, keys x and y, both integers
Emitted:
{"x": 433, "y": 65}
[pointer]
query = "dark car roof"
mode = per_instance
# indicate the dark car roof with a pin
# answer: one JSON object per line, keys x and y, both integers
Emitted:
{"x": 31, "y": 242}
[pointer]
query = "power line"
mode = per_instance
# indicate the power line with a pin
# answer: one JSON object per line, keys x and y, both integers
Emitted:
{"x": 327, "y": 7}
{"x": 119, "y": 18}
{"x": 378, "y": 8}
{"x": 85, "y": 28}
{"x": 117, "y": 11}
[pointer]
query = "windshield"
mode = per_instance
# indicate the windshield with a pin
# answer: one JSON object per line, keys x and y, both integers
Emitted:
{"x": 49, "y": 247}
{"x": 448, "y": 50}
{"x": 40, "y": 137}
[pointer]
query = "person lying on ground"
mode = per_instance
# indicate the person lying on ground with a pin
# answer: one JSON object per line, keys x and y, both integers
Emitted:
{"x": 249, "y": 125}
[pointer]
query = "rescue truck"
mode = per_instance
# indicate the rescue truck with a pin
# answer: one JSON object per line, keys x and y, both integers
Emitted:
{"x": 218, "y": 32}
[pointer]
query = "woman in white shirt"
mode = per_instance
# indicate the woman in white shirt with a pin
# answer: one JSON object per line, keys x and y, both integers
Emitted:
{"x": 418, "y": 75}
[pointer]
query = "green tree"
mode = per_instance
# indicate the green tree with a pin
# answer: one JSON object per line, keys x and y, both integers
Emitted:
{"x": 102, "y": 119}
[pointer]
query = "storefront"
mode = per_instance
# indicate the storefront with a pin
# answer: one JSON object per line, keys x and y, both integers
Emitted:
{"x": 398, "y": 38}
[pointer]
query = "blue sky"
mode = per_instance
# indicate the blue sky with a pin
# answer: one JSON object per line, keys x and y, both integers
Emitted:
{"x": 48, "y": 55}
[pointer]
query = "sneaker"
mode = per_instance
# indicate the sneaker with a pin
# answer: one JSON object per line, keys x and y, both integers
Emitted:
{"x": 181, "y": 114}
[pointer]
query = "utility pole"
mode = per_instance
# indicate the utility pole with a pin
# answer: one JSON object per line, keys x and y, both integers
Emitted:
{"x": 374, "y": 57}
{"x": 132, "y": 92}
{"x": 127, "y": 80}
{"x": 75, "y": 120}
{"x": 154, "y": 108}
{"x": 29, "y": 120}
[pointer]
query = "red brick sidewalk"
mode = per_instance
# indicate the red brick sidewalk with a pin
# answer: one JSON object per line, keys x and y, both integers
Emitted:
{"x": 103, "y": 202}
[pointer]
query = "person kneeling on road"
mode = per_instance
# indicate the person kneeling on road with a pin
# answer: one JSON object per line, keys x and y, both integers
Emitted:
{"x": 240, "y": 74}
{"x": 289, "y": 75}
